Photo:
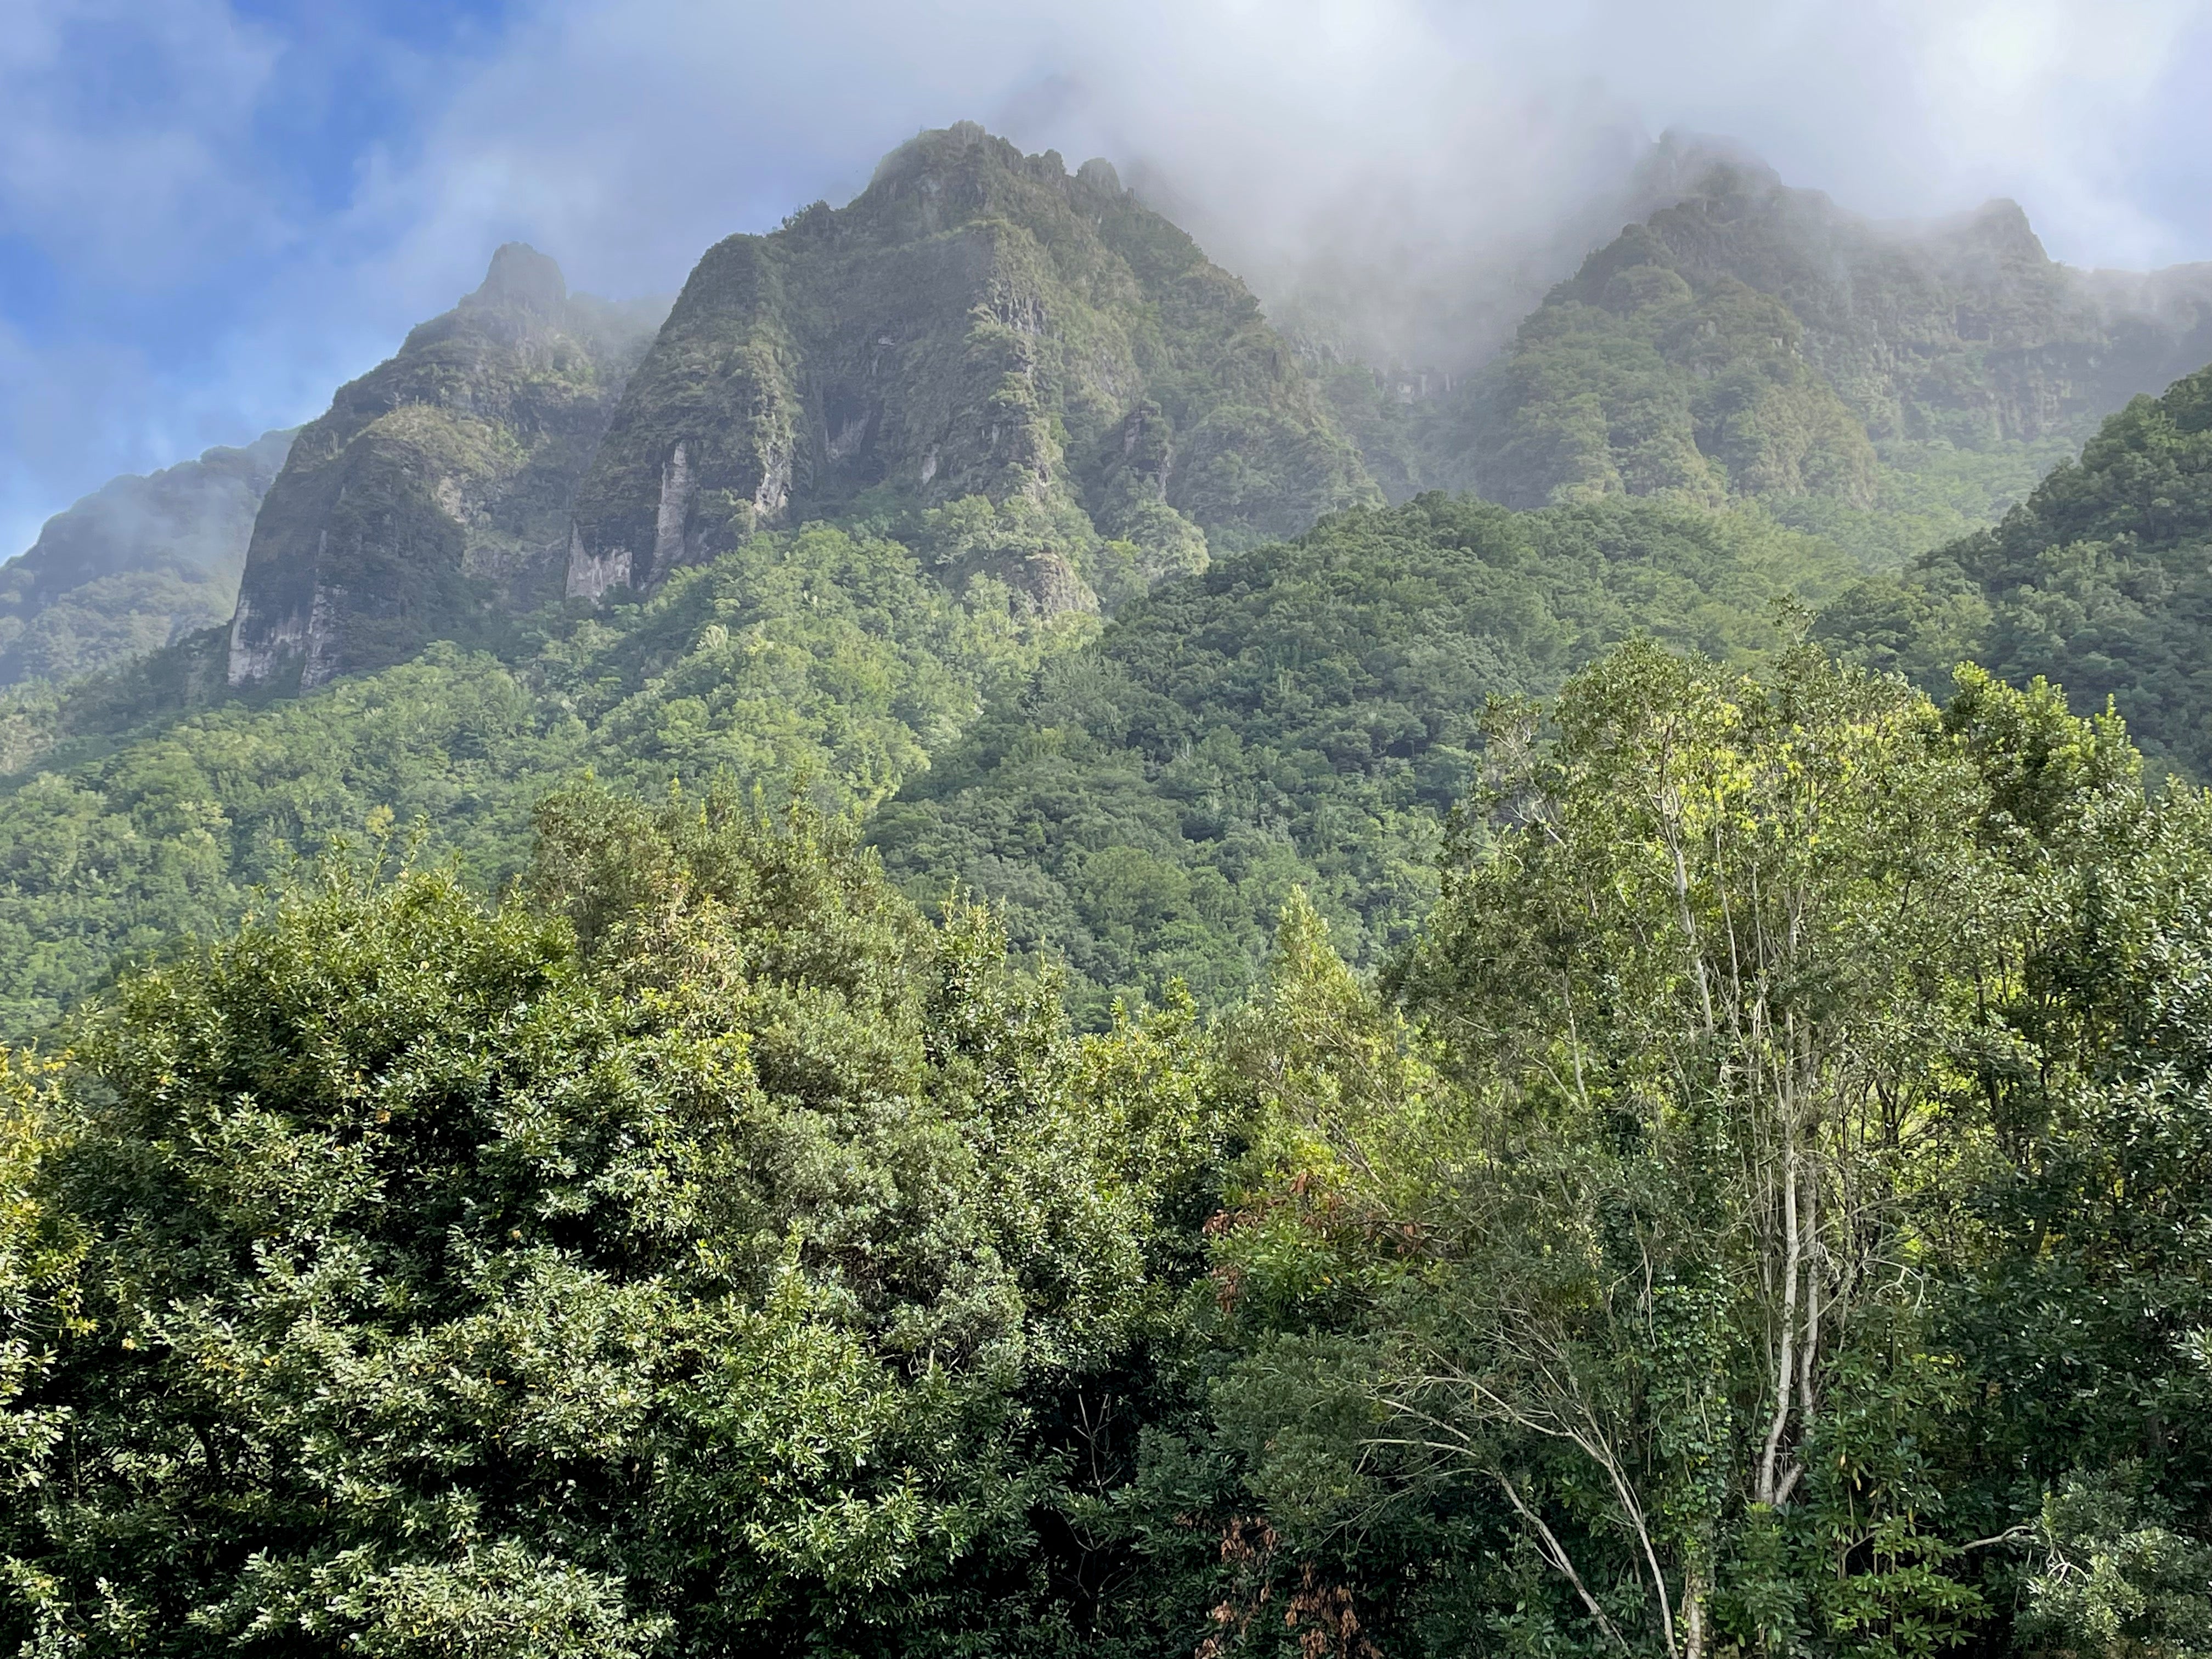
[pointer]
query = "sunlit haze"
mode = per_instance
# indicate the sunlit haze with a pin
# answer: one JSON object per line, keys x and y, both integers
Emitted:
{"x": 212, "y": 210}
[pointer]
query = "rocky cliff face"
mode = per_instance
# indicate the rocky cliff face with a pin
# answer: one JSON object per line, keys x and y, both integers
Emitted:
{"x": 1965, "y": 328}
{"x": 1756, "y": 340}
{"x": 977, "y": 322}
{"x": 135, "y": 564}
{"x": 439, "y": 483}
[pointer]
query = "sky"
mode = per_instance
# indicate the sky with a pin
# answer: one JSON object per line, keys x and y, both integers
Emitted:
{"x": 212, "y": 212}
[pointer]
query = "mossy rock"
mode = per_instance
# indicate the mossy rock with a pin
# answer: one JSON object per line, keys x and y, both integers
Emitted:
{"x": 439, "y": 487}
{"x": 977, "y": 322}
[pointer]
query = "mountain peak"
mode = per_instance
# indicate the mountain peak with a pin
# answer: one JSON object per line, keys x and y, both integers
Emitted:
{"x": 977, "y": 324}
{"x": 522, "y": 279}
{"x": 1683, "y": 163}
{"x": 2000, "y": 223}
{"x": 936, "y": 147}
{"x": 436, "y": 483}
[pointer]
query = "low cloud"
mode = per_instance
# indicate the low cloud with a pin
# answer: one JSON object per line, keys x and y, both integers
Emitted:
{"x": 1422, "y": 153}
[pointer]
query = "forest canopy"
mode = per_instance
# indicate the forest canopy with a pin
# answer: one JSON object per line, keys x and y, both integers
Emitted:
{"x": 873, "y": 966}
{"x": 1300, "y": 714}
{"x": 2097, "y": 580}
{"x": 1760, "y": 1210}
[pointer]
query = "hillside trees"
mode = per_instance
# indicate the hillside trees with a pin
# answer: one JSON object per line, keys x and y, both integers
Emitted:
{"x": 1777, "y": 1230}
{"x": 1139, "y": 804}
{"x": 818, "y": 653}
{"x": 1707, "y": 971}
{"x": 694, "y": 1262}
{"x": 1304, "y": 715}
{"x": 1762, "y": 1212}
{"x": 2096, "y": 581}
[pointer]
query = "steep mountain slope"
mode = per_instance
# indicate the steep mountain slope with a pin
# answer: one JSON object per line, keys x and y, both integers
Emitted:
{"x": 1394, "y": 326}
{"x": 976, "y": 323}
{"x": 1436, "y": 286}
{"x": 808, "y": 654}
{"x": 1889, "y": 386}
{"x": 1301, "y": 714}
{"x": 2101, "y": 580}
{"x": 1964, "y": 330}
{"x": 135, "y": 564}
{"x": 1065, "y": 448}
{"x": 438, "y": 481}
{"x": 1305, "y": 715}
{"x": 996, "y": 399}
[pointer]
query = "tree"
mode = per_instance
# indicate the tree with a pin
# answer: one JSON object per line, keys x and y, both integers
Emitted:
{"x": 1704, "y": 960}
{"x": 691, "y": 1260}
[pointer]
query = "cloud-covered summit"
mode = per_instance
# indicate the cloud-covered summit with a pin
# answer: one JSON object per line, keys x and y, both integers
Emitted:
{"x": 216, "y": 212}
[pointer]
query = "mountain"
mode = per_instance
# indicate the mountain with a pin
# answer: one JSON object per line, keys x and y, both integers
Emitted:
{"x": 1139, "y": 801}
{"x": 1073, "y": 401}
{"x": 1305, "y": 715}
{"x": 1393, "y": 312}
{"x": 439, "y": 484}
{"x": 1890, "y": 387}
{"x": 137, "y": 564}
{"x": 976, "y": 324}
{"x": 1962, "y": 331}
{"x": 2099, "y": 580}
{"x": 984, "y": 505}
{"x": 1530, "y": 1111}
{"x": 812, "y": 655}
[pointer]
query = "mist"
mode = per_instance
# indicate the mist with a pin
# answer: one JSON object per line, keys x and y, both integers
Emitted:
{"x": 209, "y": 258}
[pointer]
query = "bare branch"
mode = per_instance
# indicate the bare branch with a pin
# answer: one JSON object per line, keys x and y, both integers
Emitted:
{"x": 1556, "y": 1553}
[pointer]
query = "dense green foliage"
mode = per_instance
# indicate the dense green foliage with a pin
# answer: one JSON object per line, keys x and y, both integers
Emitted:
{"x": 813, "y": 654}
{"x": 1305, "y": 715}
{"x": 706, "y": 1260}
{"x": 1451, "y": 1083}
{"x": 2098, "y": 580}
{"x": 1762, "y": 1212}
{"x": 1776, "y": 1226}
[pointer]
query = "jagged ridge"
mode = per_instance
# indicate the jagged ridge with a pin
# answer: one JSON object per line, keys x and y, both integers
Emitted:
{"x": 440, "y": 481}
{"x": 1754, "y": 340}
{"x": 976, "y": 323}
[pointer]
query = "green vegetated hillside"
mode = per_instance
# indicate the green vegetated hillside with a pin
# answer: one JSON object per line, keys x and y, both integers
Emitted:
{"x": 812, "y": 656}
{"x": 1890, "y": 387}
{"x": 135, "y": 565}
{"x": 1305, "y": 715}
{"x": 1140, "y": 805}
{"x": 1628, "y": 1133}
{"x": 1761, "y": 1213}
{"x": 1059, "y": 402}
{"x": 2102, "y": 579}
{"x": 1301, "y": 714}
{"x": 435, "y": 493}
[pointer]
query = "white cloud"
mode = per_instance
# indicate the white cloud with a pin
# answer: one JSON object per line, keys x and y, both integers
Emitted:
{"x": 2060, "y": 97}
{"x": 1412, "y": 142}
{"x": 127, "y": 143}
{"x": 626, "y": 135}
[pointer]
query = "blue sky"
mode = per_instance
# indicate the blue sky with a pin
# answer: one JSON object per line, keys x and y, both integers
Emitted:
{"x": 212, "y": 212}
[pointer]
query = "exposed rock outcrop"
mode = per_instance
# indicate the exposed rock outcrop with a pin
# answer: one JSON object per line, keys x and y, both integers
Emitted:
{"x": 976, "y": 323}
{"x": 440, "y": 484}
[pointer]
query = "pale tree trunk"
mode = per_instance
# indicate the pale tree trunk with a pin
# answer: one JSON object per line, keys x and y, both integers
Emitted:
{"x": 1693, "y": 1614}
{"x": 1785, "y": 1361}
